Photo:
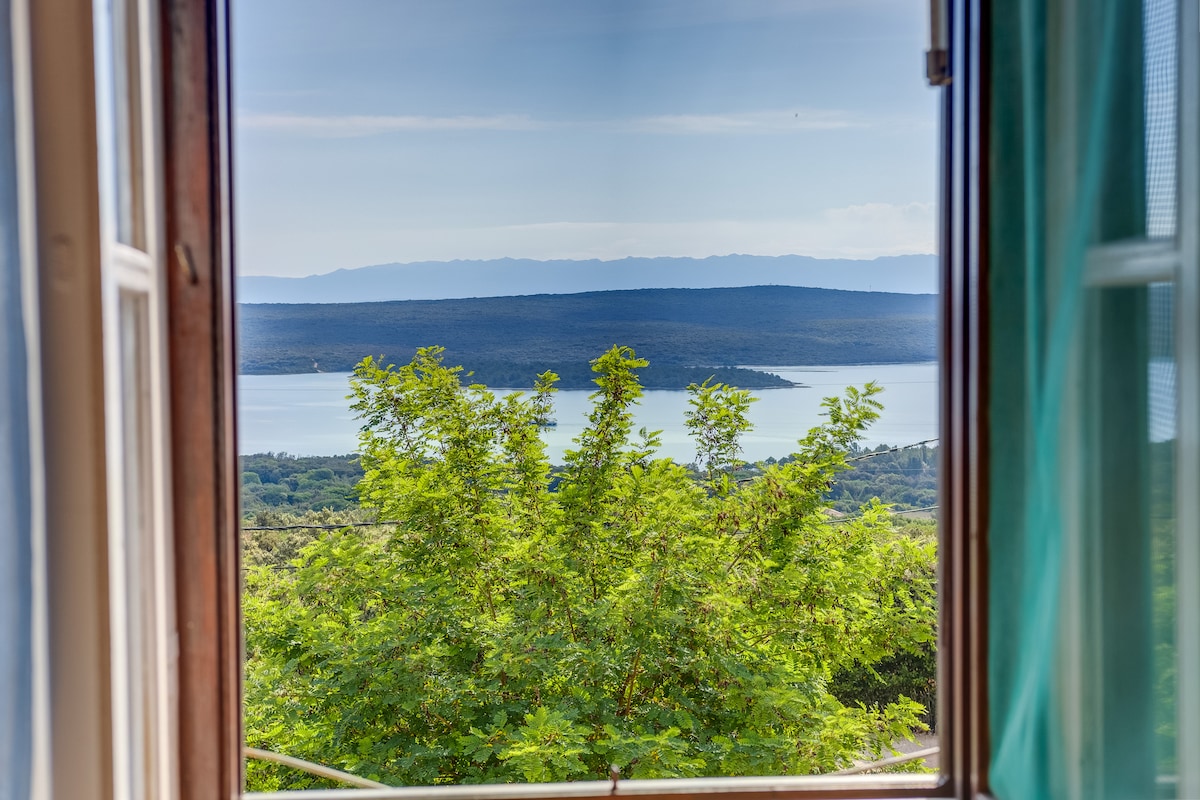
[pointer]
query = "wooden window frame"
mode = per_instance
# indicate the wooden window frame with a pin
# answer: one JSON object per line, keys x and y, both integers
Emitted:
{"x": 202, "y": 356}
{"x": 196, "y": 81}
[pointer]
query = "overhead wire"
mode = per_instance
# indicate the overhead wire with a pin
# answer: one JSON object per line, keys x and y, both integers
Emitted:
{"x": 878, "y": 453}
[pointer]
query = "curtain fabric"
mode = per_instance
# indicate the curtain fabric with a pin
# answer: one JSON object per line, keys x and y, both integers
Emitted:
{"x": 1077, "y": 665}
{"x": 16, "y": 670}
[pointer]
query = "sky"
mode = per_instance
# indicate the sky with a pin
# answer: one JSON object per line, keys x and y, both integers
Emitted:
{"x": 380, "y": 131}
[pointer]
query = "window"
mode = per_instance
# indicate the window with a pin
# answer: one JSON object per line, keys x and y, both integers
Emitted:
{"x": 133, "y": 241}
{"x": 1147, "y": 286}
{"x": 1091, "y": 543}
{"x": 123, "y": 632}
{"x": 654, "y": 68}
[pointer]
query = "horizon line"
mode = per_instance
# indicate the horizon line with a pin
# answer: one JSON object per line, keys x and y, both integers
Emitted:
{"x": 240, "y": 274}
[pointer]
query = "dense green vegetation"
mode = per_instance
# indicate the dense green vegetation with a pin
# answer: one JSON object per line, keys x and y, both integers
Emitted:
{"x": 278, "y": 482}
{"x": 905, "y": 478}
{"x": 670, "y": 621}
{"x": 687, "y": 334}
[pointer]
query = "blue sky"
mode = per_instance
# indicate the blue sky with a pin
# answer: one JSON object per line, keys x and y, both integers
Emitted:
{"x": 376, "y": 131}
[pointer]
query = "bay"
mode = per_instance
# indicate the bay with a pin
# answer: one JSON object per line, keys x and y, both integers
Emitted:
{"x": 309, "y": 414}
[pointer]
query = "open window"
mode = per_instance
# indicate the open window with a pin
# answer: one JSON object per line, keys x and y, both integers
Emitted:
{"x": 1065, "y": 138}
{"x": 427, "y": 137}
{"x": 133, "y": 235}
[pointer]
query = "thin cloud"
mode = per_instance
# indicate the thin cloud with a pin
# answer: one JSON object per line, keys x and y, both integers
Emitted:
{"x": 782, "y": 121}
{"x": 352, "y": 126}
{"x": 373, "y": 125}
{"x": 858, "y": 231}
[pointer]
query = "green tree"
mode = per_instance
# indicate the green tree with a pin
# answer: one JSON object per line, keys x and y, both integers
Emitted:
{"x": 717, "y": 420}
{"x": 507, "y": 632}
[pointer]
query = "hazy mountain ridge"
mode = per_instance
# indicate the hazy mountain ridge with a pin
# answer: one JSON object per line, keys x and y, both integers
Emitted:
{"x": 683, "y": 332}
{"x": 505, "y": 277}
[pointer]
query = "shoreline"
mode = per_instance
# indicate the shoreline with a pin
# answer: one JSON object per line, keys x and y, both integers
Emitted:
{"x": 764, "y": 369}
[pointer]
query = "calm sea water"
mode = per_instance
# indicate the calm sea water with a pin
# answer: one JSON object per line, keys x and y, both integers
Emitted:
{"x": 309, "y": 414}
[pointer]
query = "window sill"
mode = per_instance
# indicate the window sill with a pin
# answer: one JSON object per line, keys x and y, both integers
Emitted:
{"x": 842, "y": 786}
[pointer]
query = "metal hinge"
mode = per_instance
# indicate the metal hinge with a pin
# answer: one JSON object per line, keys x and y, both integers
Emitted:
{"x": 937, "y": 57}
{"x": 937, "y": 67}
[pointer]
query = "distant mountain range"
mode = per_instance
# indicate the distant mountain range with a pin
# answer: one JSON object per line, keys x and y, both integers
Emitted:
{"x": 506, "y": 277}
{"x": 687, "y": 334}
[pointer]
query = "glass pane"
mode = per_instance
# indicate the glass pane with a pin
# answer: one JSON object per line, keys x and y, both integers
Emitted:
{"x": 136, "y": 592}
{"x": 134, "y": 533}
{"x": 1161, "y": 20}
{"x": 1163, "y": 409}
{"x": 124, "y": 120}
{"x": 20, "y": 539}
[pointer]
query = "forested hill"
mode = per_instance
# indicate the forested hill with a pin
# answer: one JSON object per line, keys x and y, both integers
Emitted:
{"x": 442, "y": 280}
{"x": 683, "y": 332}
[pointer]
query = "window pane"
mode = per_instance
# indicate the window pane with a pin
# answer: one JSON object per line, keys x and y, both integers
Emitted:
{"x": 1163, "y": 409}
{"x": 18, "y": 731}
{"x": 121, "y": 122}
{"x": 1162, "y": 115}
{"x": 138, "y": 635}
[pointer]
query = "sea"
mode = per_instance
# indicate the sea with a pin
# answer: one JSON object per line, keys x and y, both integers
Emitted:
{"x": 309, "y": 414}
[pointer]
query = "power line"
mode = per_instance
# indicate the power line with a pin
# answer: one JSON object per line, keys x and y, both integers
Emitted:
{"x": 840, "y": 520}
{"x": 322, "y": 527}
{"x": 834, "y": 521}
{"x": 893, "y": 450}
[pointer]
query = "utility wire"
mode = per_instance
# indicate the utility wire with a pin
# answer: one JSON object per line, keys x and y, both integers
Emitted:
{"x": 893, "y": 450}
{"x": 832, "y": 521}
{"x": 322, "y": 527}
{"x": 292, "y": 568}
{"x": 840, "y": 520}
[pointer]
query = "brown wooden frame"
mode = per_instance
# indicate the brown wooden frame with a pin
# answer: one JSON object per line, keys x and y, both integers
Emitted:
{"x": 202, "y": 369}
{"x": 195, "y": 39}
{"x": 964, "y": 406}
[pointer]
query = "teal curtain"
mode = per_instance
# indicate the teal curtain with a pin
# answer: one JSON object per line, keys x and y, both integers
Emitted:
{"x": 1079, "y": 666}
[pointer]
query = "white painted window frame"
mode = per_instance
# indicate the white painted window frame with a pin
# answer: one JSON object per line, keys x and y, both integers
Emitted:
{"x": 141, "y": 591}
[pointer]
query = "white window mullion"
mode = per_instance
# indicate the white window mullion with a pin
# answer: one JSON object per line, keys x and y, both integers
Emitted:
{"x": 1132, "y": 263}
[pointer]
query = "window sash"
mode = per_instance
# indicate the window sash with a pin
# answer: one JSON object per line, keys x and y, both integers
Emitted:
{"x": 141, "y": 621}
{"x": 1176, "y": 261}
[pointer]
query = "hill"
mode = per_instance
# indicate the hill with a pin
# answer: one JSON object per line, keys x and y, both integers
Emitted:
{"x": 439, "y": 280}
{"x": 685, "y": 333}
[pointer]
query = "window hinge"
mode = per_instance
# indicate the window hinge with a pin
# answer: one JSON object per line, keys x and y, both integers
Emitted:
{"x": 937, "y": 57}
{"x": 937, "y": 67}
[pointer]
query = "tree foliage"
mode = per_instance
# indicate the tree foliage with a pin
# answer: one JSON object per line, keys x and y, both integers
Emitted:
{"x": 507, "y": 632}
{"x": 283, "y": 482}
